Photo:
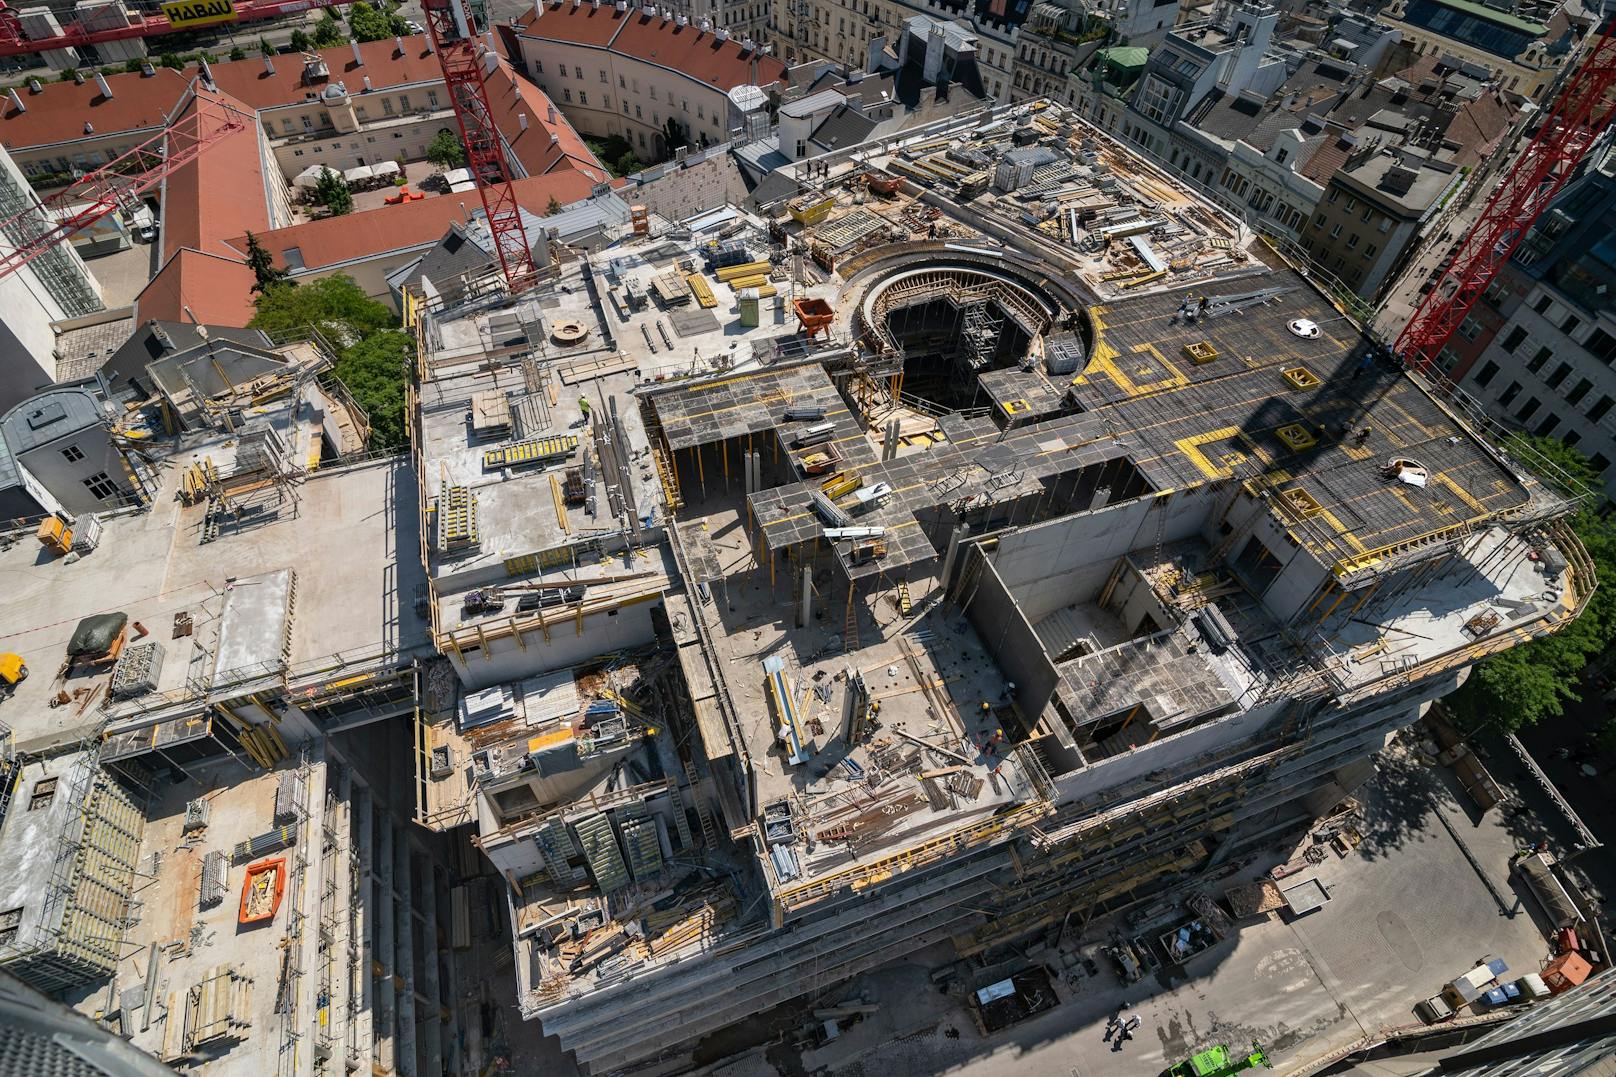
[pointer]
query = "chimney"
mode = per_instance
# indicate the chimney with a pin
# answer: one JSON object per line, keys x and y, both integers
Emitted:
{"x": 16, "y": 102}
{"x": 146, "y": 69}
{"x": 493, "y": 44}
{"x": 78, "y": 77}
{"x": 367, "y": 83}
{"x": 681, "y": 21}
{"x": 202, "y": 64}
{"x": 160, "y": 335}
{"x": 538, "y": 8}
{"x": 33, "y": 86}
{"x": 359, "y": 61}
{"x": 89, "y": 128}
{"x": 201, "y": 330}
{"x": 721, "y": 33}
{"x": 398, "y": 46}
{"x": 552, "y": 114}
{"x": 521, "y": 120}
{"x": 594, "y": 5}
{"x": 621, "y": 5}
{"x": 426, "y": 43}
{"x": 269, "y": 66}
{"x": 706, "y": 26}
{"x": 490, "y": 62}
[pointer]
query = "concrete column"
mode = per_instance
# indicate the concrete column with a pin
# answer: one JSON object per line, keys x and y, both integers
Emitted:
{"x": 757, "y": 471}
{"x": 806, "y": 599}
{"x": 1101, "y": 493}
{"x": 950, "y": 556}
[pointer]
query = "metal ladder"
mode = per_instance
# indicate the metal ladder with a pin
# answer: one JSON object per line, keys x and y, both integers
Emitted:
{"x": 709, "y": 833}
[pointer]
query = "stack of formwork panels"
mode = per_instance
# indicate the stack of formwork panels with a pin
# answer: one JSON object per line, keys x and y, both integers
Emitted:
{"x": 218, "y": 1008}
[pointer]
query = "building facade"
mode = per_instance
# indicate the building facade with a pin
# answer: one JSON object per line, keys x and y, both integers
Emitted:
{"x": 1537, "y": 350}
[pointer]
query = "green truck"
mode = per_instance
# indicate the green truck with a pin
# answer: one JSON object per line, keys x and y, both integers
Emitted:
{"x": 1219, "y": 1061}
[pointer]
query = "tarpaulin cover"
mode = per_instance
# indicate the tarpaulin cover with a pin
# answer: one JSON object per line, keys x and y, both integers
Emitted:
{"x": 95, "y": 635}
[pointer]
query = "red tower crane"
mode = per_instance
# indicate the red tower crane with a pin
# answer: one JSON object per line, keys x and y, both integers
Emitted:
{"x": 1579, "y": 113}
{"x": 119, "y": 184}
{"x": 461, "y": 55}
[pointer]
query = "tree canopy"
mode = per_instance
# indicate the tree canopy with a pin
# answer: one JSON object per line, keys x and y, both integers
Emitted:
{"x": 1534, "y": 681}
{"x": 331, "y": 191}
{"x": 262, "y": 263}
{"x": 371, "y": 23}
{"x": 373, "y": 354}
{"x": 445, "y": 150}
{"x": 328, "y": 31}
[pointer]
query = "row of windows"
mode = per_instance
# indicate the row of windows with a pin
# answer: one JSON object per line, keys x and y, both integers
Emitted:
{"x": 318, "y": 149}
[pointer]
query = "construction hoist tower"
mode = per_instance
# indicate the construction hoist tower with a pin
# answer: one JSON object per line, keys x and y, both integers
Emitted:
{"x": 463, "y": 56}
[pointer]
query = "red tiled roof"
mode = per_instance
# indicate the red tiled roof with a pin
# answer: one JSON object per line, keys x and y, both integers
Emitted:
{"x": 60, "y": 110}
{"x": 334, "y": 240}
{"x": 547, "y": 144}
{"x": 219, "y": 193}
{"x": 248, "y": 80}
{"x": 197, "y": 287}
{"x": 700, "y": 55}
{"x": 581, "y": 25}
{"x": 688, "y": 49}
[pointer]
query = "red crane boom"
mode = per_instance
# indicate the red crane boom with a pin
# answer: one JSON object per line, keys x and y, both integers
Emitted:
{"x": 1580, "y": 111}
{"x": 13, "y": 42}
{"x": 119, "y": 184}
{"x": 454, "y": 37}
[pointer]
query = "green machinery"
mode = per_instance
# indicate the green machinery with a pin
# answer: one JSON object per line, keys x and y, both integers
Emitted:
{"x": 1219, "y": 1061}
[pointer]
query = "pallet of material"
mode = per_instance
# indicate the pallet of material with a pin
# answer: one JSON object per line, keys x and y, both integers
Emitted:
{"x": 701, "y": 290}
{"x": 757, "y": 280}
{"x": 745, "y": 269}
{"x": 531, "y": 452}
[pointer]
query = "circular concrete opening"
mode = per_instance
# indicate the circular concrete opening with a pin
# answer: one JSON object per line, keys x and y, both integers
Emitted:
{"x": 569, "y": 333}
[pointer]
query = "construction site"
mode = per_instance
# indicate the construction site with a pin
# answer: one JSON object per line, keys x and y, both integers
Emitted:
{"x": 987, "y": 536}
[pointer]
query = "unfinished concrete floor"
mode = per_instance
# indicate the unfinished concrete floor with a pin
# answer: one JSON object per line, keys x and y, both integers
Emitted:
{"x": 1407, "y": 913}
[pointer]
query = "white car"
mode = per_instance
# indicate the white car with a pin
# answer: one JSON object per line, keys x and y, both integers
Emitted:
{"x": 415, "y": 27}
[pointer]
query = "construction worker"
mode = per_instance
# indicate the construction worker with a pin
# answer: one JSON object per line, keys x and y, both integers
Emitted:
{"x": 583, "y": 409}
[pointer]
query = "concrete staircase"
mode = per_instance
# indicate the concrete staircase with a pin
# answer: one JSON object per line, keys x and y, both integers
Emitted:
{"x": 1063, "y": 634}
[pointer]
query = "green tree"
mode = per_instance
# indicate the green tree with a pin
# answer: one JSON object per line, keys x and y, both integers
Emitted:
{"x": 445, "y": 150}
{"x": 376, "y": 370}
{"x": 1528, "y": 683}
{"x": 673, "y": 135}
{"x": 300, "y": 41}
{"x": 238, "y": 53}
{"x": 374, "y": 355}
{"x": 335, "y": 305}
{"x": 265, "y": 48}
{"x": 331, "y": 191}
{"x": 328, "y": 32}
{"x": 552, "y": 207}
{"x": 170, "y": 60}
{"x": 265, "y": 272}
{"x": 367, "y": 23}
{"x": 67, "y": 74}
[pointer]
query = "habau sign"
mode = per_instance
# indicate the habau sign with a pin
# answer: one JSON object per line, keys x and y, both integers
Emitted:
{"x": 199, "y": 12}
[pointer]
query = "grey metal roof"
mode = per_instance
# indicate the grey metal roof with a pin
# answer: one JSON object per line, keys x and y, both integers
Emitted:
{"x": 804, "y": 107}
{"x": 51, "y": 415}
{"x": 847, "y": 126}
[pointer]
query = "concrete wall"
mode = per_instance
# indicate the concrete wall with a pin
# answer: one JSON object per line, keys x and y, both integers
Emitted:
{"x": 399, "y": 137}
{"x": 505, "y": 660}
{"x": 1008, "y": 636}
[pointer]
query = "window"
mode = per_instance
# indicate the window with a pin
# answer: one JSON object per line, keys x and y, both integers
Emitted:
{"x": 699, "y": 114}
{"x": 605, "y": 79}
{"x": 404, "y": 101}
{"x": 1599, "y": 461}
{"x": 1486, "y": 374}
{"x": 538, "y": 67}
{"x": 1542, "y": 304}
{"x": 1598, "y": 411}
{"x": 1560, "y": 374}
{"x": 579, "y": 73}
{"x": 1318, "y": 222}
{"x": 1528, "y": 409}
{"x": 1385, "y": 224}
{"x": 297, "y": 153}
{"x": 566, "y": 95}
{"x": 43, "y": 793}
{"x": 1352, "y": 204}
{"x": 1601, "y": 345}
{"x": 1539, "y": 359}
{"x": 1546, "y": 427}
{"x": 1579, "y": 391}
{"x": 638, "y": 115}
{"x": 1514, "y": 339}
{"x": 73, "y": 454}
{"x": 432, "y": 98}
{"x": 625, "y": 108}
{"x": 308, "y": 123}
{"x": 1352, "y": 244}
{"x": 360, "y": 112}
{"x": 101, "y": 486}
{"x": 1335, "y": 233}
{"x": 10, "y": 924}
{"x": 1469, "y": 328}
{"x": 653, "y": 93}
{"x": 1279, "y": 158}
{"x": 1156, "y": 98}
{"x": 605, "y": 101}
{"x": 1569, "y": 326}
{"x": 1570, "y": 438}
{"x": 1369, "y": 251}
{"x": 387, "y": 105}
{"x": 1510, "y": 394}
{"x": 621, "y": 85}
{"x": 583, "y": 98}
